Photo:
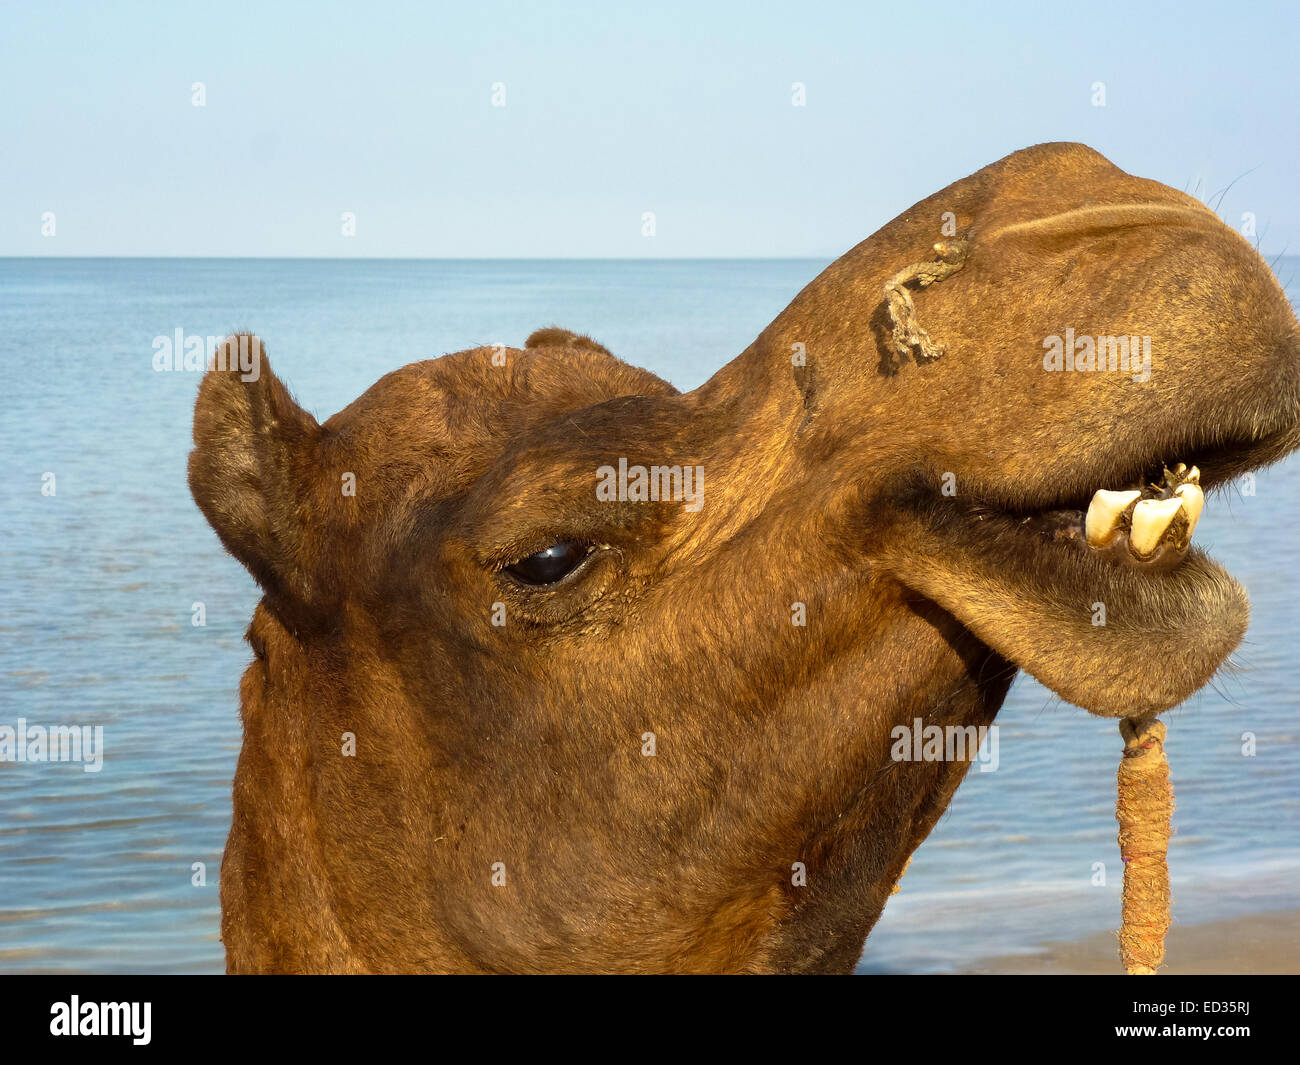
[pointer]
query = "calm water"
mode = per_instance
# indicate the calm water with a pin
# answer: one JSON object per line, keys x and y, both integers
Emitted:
{"x": 98, "y": 584}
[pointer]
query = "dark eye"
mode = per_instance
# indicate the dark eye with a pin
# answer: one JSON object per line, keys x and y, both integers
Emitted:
{"x": 551, "y": 565}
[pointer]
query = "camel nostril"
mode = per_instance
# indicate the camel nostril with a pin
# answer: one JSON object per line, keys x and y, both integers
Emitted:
{"x": 551, "y": 565}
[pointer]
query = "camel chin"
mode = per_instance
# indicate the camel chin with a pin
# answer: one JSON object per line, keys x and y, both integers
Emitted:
{"x": 1161, "y": 617}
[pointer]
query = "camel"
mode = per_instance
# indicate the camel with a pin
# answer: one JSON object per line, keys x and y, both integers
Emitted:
{"x": 497, "y": 722}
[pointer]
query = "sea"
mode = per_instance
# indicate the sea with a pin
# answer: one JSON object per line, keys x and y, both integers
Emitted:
{"x": 104, "y": 558}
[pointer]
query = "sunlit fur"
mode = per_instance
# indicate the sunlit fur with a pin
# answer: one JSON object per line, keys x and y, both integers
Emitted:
{"x": 522, "y": 743}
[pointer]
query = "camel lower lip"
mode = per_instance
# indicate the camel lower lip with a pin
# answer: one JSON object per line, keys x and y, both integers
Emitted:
{"x": 1067, "y": 526}
{"x": 1075, "y": 616}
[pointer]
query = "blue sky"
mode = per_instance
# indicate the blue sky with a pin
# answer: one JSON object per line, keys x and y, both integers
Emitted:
{"x": 385, "y": 111}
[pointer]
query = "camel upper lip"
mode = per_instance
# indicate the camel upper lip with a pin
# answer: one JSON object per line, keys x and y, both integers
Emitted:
{"x": 1220, "y": 462}
{"x": 1060, "y": 518}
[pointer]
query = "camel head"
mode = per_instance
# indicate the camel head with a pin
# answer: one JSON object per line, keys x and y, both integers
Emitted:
{"x": 558, "y": 668}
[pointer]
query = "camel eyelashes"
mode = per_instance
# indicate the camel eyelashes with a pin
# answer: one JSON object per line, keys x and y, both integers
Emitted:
{"x": 551, "y": 565}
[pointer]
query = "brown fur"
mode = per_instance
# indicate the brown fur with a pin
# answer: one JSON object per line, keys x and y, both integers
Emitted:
{"x": 522, "y": 744}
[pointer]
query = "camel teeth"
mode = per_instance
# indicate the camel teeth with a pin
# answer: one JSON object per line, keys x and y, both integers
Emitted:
{"x": 1151, "y": 518}
{"x": 1193, "y": 501}
{"x": 1194, "y": 475}
{"x": 1104, "y": 514}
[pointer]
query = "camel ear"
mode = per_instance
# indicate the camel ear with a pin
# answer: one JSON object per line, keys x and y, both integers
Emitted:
{"x": 253, "y": 453}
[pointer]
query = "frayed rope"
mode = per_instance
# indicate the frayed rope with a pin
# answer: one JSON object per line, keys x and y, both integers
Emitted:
{"x": 1144, "y": 808}
{"x": 907, "y": 333}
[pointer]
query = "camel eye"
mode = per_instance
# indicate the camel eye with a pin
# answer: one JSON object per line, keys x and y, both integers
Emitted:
{"x": 551, "y": 565}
